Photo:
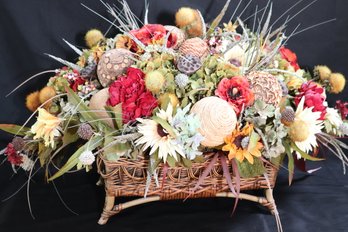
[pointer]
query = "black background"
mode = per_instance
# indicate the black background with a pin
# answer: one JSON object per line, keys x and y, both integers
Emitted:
{"x": 28, "y": 29}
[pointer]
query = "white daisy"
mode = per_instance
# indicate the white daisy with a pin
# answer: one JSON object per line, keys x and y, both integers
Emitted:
{"x": 312, "y": 123}
{"x": 333, "y": 117}
{"x": 157, "y": 138}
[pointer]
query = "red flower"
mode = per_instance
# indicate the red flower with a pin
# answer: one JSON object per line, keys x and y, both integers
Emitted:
{"x": 342, "y": 108}
{"x": 289, "y": 56}
{"x": 130, "y": 90}
{"x": 12, "y": 155}
{"x": 153, "y": 34}
{"x": 313, "y": 98}
{"x": 236, "y": 91}
{"x": 76, "y": 83}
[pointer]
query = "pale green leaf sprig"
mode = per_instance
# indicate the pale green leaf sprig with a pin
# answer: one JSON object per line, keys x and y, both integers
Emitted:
{"x": 186, "y": 125}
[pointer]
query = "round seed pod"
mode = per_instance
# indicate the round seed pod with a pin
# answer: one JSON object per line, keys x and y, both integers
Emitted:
{"x": 287, "y": 116}
{"x": 265, "y": 87}
{"x": 85, "y": 131}
{"x": 112, "y": 64}
{"x": 214, "y": 126}
{"x": 195, "y": 47}
{"x": 18, "y": 143}
{"x": 189, "y": 64}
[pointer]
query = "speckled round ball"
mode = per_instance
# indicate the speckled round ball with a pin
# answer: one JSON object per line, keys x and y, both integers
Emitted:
{"x": 189, "y": 64}
{"x": 266, "y": 87}
{"x": 214, "y": 126}
{"x": 195, "y": 47}
{"x": 112, "y": 64}
{"x": 178, "y": 33}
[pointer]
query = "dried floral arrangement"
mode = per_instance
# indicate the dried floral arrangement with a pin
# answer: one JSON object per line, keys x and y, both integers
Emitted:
{"x": 172, "y": 94}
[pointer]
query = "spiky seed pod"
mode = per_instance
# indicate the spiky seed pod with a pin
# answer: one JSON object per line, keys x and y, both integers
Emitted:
{"x": 299, "y": 131}
{"x": 93, "y": 37}
{"x": 90, "y": 71}
{"x": 322, "y": 71}
{"x": 18, "y": 143}
{"x": 337, "y": 82}
{"x": 195, "y": 47}
{"x": 85, "y": 131}
{"x": 189, "y": 64}
{"x": 47, "y": 93}
{"x": 154, "y": 81}
{"x": 287, "y": 116}
{"x": 181, "y": 80}
{"x": 191, "y": 21}
{"x": 33, "y": 101}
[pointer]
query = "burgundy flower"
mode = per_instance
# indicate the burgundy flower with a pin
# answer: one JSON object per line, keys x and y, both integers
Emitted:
{"x": 342, "y": 108}
{"x": 130, "y": 90}
{"x": 236, "y": 91}
{"x": 314, "y": 97}
{"x": 289, "y": 56}
{"x": 76, "y": 83}
{"x": 12, "y": 156}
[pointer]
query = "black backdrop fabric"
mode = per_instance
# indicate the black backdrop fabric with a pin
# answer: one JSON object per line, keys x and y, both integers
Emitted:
{"x": 28, "y": 29}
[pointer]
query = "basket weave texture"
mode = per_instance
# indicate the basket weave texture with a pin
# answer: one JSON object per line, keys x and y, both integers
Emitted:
{"x": 127, "y": 177}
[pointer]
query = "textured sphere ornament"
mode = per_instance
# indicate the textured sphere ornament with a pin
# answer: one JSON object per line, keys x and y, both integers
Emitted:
{"x": 97, "y": 104}
{"x": 265, "y": 87}
{"x": 194, "y": 47}
{"x": 189, "y": 64}
{"x": 178, "y": 34}
{"x": 217, "y": 118}
{"x": 112, "y": 64}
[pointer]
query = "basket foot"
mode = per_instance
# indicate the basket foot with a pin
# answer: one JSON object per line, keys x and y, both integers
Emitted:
{"x": 270, "y": 202}
{"x": 108, "y": 210}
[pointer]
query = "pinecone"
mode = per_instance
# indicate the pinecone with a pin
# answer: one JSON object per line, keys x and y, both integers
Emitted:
{"x": 90, "y": 71}
{"x": 18, "y": 143}
{"x": 287, "y": 116}
{"x": 85, "y": 131}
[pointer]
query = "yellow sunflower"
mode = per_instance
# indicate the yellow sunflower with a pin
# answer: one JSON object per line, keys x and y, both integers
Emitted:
{"x": 238, "y": 146}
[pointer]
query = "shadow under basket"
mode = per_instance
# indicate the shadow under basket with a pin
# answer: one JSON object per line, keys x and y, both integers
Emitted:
{"x": 127, "y": 178}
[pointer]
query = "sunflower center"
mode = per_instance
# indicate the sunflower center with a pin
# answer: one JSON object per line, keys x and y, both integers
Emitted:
{"x": 233, "y": 93}
{"x": 238, "y": 141}
{"x": 161, "y": 131}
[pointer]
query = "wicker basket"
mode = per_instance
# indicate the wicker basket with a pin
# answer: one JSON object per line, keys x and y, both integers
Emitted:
{"x": 128, "y": 177}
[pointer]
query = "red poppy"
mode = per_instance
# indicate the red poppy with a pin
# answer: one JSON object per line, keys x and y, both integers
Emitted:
{"x": 289, "y": 56}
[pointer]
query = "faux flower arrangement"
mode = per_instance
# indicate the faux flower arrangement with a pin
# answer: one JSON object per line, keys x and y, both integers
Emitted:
{"x": 173, "y": 93}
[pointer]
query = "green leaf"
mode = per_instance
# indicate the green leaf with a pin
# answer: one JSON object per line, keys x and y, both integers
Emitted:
{"x": 116, "y": 114}
{"x": 304, "y": 154}
{"x": 254, "y": 138}
{"x": 74, "y": 159}
{"x": 115, "y": 151}
{"x": 186, "y": 162}
{"x": 44, "y": 153}
{"x": 70, "y": 136}
{"x": 291, "y": 164}
{"x": 171, "y": 161}
{"x": 248, "y": 170}
{"x": 83, "y": 109}
{"x": 14, "y": 129}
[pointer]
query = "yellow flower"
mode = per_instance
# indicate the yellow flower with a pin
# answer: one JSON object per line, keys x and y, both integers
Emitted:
{"x": 337, "y": 82}
{"x": 237, "y": 144}
{"x": 231, "y": 27}
{"x": 46, "y": 127}
{"x": 294, "y": 82}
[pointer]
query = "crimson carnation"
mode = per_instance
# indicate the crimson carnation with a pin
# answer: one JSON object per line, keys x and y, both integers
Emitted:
{"x": 289, "y": 56}
{"x": 342, "y": 108}
{"x": 236, "y": 91}
{"x": 153, "y": 34}
{"x": 12, "y": 155}
{"x": 130, "y": 90}
{"x": 314, "y": 97}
